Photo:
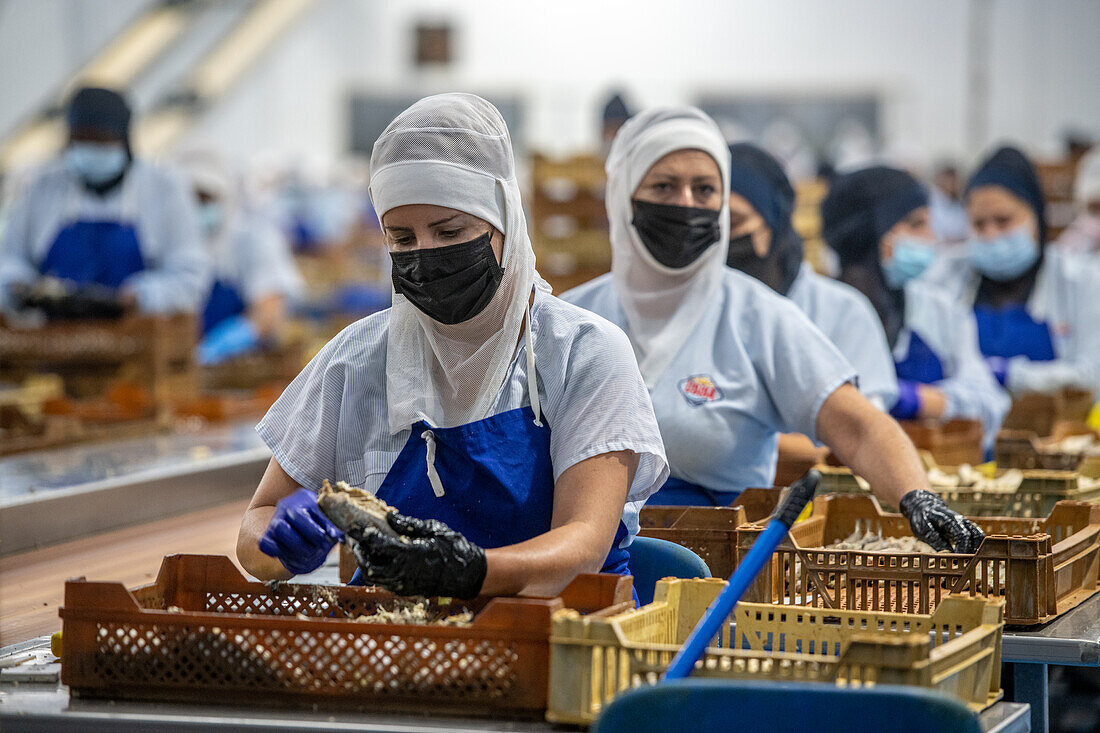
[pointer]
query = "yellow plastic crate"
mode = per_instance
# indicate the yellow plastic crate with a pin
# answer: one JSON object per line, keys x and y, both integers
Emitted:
{"x": 956, "y": 649}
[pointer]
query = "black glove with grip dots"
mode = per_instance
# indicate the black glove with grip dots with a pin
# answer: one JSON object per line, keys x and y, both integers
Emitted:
{"x": 427, "y": 559}
{"x": 933, "y": 522}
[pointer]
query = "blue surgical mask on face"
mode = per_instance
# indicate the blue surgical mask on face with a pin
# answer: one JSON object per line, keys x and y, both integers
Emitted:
{"x": 911, "y": 257}
{"x": 211, "y": 218}
{"x": 1005, "y": 257}
{"x": 96, "y": 163}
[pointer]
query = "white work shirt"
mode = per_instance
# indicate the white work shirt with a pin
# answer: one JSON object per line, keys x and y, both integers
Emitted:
{"x": 849, "y": 320}
{"x": 159, "y": 205}
{"x": 950, "y": 331}
{"x": 1066, "y": 297}
{"x": 754, "y": 367}
{"x": 253, "y": 256}
{"x": 331, "y": 422}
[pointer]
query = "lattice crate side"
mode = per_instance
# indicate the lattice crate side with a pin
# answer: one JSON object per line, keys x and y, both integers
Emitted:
{"x": 499, "y": 663}
{"x": 802, "y": 572}
{"x": 957, "y": 662}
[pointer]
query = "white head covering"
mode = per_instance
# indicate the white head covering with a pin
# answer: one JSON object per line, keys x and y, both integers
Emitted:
{"x": 453, "y": 150}
{"x": 1087, "y": 185}
{"x": 662, "y": 304}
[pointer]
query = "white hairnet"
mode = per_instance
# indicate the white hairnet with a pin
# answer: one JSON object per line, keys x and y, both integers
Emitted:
{"x": 662, "y": 304}
{"x": 1087, "y": 186}
{"x": 208, "y": 171}
{"x": 453, "y": 150}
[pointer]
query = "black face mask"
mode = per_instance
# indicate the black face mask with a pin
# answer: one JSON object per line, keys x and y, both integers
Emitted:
{"x": 676, "y": 236}
{"x": 741, "y": 250}
{"x": 450, "y": 284}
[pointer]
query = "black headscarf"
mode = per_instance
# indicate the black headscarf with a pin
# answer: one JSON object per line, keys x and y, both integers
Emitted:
{"x": 860, "y": 208}
{"x": 104, "y": 111}
{"x": 615, "y": 110}
{"x": 759, "y": 179}
{"x": 1010, "y": 169}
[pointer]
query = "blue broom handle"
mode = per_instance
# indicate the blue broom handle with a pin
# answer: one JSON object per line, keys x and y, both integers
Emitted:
{"x": 761, "y": 551}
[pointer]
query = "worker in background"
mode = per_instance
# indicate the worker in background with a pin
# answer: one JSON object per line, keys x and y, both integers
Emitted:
{"x": 99, "y": 218}
{"x": 947, "y": 215}
{"x": 1083, "y": 235}
{"x": 764, "y": 244}
{"x": 254, "y": 275}
{"x": 615, "y": 113}
{"x": 512, "y": 431}
{"x": 730, "y": 364}
{"x": 1037, "y": 308}
{"x": 877, "y": 221}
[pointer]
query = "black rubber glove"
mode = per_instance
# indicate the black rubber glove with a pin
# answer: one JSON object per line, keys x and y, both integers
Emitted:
{"x": 428, "y": 559}
{"x": 944, "y": 529}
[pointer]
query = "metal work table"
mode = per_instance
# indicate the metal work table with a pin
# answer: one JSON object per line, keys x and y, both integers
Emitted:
{"x": 39, "y": 703}
{"x": 65, "y": 493}
{"x": 1072, "y": 639}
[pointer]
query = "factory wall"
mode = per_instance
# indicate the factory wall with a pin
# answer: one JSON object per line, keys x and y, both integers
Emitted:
{"x": 561, "y": 60}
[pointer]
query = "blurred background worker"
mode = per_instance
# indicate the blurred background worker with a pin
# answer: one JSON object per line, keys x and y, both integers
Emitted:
{"x": 946, "y": 211}
{"x": 765, "y": 245}
{"x": 255, "y": 277}
{"x": 615, "y": 113}
{"x": 1036, "y": 307}
{"x": 877, "y": 221}
{"x": 1083, "y": 235}
{"x": 98, "y": 218}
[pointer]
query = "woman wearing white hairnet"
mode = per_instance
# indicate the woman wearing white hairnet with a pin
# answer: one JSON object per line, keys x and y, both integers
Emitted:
{"x": 511, "y": 430}
{"x": 1083, "y": 234}
{"x": 254, "y": 274}
{"x": 729, "y": 364}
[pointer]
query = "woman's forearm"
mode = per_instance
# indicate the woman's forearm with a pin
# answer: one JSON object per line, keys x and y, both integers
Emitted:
{"x": 872, "y": 444}
{"x": 544, "y": 565}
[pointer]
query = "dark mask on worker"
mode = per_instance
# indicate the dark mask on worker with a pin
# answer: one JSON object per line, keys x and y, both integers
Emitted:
{"x": 741, "y": 250}
{"x": 676, "y": 236}
{"x": 450, "y": 284}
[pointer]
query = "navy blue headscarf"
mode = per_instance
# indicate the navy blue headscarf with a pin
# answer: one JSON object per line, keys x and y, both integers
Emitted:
{"x": 860, "y": 208}
{"x": 759, "y": 178}
{"x": 1008, "y": 168}
{"x": 615, "y": 110}
{"x": 102, "y": 110}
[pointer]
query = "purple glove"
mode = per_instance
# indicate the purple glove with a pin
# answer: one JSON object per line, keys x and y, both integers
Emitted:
{"x": 908, "y": 405}
{"x": 300, "y": 536}
{"x": 998, "y": 365}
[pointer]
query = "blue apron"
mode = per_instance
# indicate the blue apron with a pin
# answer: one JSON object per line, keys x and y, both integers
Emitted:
{"x": 94, "y": 252}
{"x": 498, "y": 482}
{"x": 920, "y": 363}
{"x": 223, "y": 302}
{"x": 677, "y": 492}
{"x": 1009, "y": 332}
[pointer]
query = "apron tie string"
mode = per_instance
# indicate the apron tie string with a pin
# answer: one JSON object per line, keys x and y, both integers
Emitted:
{"x": 532, "y": 376}
{"x": 433, "y": 475}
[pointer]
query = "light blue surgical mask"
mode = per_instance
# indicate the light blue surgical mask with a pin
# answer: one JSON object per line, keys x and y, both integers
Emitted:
{"x": 1005, "y": 257}
{"x": 211, "y": 218}
{"x": 911, "y": 257}
{"x": 96, "y": 163}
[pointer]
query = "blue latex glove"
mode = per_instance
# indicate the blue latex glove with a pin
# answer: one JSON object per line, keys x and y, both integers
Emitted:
{"x": 998, "y": 365}
{"x": 300, "y": 536}
{"x": 908, "y": 405}
{"x": 232, "y": 337}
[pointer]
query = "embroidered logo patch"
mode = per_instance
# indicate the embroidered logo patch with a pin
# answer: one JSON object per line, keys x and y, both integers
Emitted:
{"x": 699, "y": 390}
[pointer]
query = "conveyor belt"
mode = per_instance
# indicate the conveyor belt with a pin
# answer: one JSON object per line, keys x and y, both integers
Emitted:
{"x": 58, "y": 495}
{"x": 32, "y": 583}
